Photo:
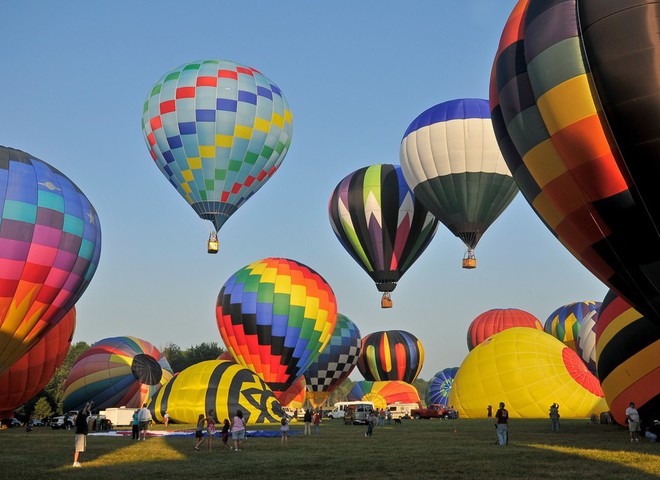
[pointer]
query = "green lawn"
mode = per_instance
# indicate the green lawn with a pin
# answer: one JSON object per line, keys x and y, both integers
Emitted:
{"x": 438, "y": 449}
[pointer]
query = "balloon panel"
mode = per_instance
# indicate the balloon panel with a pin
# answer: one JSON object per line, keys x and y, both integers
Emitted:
{"x": 498, "y": 319}
{"x": 383, "y": 393}
{"x": 391, "y": 355}
{"x": 565, "y": 322}
{"x": 440, "y": 386}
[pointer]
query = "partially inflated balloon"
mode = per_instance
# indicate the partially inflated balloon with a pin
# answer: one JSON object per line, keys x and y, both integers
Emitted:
{"x": 586, "y": 343}
{"x": 494, "y": 321}
{"x": 219, "y": 385}
{"x": 275, "y": 317}
{"x": 376, "y": 218}
{"x": 50, "y": 244}
{"x": 294, "y": 396}
{"x": 32, "y": 372}
{"x": 628, "y": 359}
{"x": 116, "y": 372}
{"x": 450, "y": 158}
{"x": 335, "y": 362}
{"x": 218, "y": 131}
{"x": 440, "y": 386}
{"x": 576, "y": 110}
{"x": 391, "y": 355}
{"x": 528, "y": 370}
{"x": 565, "y": 322}
{"x": 383, "y": 393}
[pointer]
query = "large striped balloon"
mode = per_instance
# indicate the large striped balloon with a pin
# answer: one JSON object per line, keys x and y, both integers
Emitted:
{"x": 335, "y": 362}
{"x": 275, "y": 317}
{"x": 116, "y": 372}
{"x": 440, "y": 386}
{"x": 628, "y": 359}
{"x": 494, "y": 321}
{"x": 391, "y": 355}
{"x": 220, "y": 385}
{"x": 217, "y": 130}
{"x": 50, "y": 244}
{"x": 565, "y": 322}
{"x": 575, "y": 103}
{"x": 32, "y": 372}
{"x": 383, "y": 394}
{"x": 377, "y": 220}
{"x": 450, "y": 158}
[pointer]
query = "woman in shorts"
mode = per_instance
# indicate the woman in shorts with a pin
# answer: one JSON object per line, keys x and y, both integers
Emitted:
{"x": 238, "y": 430}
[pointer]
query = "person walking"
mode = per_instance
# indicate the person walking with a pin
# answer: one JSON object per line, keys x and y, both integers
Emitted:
{"x": 554, "y": 417}
{"x": 144, "y": 418}
{"x": 308, "y": 422}
{"x": 632, "y": 417}
{"x": 238, "y": 430}
{"x": 135, "y": 430}
{"x": 82, "y": 429}
{"x": 502, "y": 425}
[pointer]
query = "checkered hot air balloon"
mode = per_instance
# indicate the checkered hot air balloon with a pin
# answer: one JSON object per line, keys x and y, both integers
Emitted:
{"x": 218, "y": 131}
{"x": 275, "y": 316}
{"x": 335, "y": 362}
{"x": 377, "y": 220}
{"x": 50, "y": 244}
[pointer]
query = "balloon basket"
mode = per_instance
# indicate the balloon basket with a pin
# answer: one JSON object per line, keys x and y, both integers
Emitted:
{"x": 386, "y": 301}
{"x": 213, "y": 244}
{"x": 469, "y": 263}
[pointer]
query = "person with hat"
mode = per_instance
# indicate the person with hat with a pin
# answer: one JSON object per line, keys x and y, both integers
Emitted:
{"x": 632, "y": 417}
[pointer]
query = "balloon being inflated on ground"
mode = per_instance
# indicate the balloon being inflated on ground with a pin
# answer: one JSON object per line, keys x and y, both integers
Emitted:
{"x": 528, "y": 370}
{"x": 383, "y": 393}
{"x": 114, "y": 372}
{"x": 50, "y": 244}
{"x": 440, "y": 386}
{"x": 565, "y": 322}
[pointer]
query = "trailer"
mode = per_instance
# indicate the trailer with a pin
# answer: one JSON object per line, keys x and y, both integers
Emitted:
{"x": 118, "y": 416}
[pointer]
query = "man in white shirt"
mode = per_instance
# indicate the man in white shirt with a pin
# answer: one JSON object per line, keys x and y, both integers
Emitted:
{"x": 632, "y": 416}
{"x": 144, "y": 417}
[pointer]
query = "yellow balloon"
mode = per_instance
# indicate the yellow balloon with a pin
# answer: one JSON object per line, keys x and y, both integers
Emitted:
{"x": 528, "y": 370}
{"x": 221, "y": 385}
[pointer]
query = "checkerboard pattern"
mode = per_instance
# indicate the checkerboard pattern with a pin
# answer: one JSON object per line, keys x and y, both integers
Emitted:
{"x": 50, "y": 244}
{"x": 218, "y": 131}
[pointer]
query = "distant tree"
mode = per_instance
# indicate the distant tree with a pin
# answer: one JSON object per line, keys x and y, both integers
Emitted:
{"x": 340, "y": 394}
{"x": 55, "y": 388}
{"x": 175, "y": 356}
{"x": 42, "y": 408}
{"x": 182, "y": 359}
{"x": 422, "y": 387}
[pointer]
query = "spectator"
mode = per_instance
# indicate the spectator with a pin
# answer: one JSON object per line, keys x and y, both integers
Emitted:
{"x": 554, "y": 417}
{"x": 653, "y": 431}
{"x": 502, "y": 425}
{"x": 308, "y": 422}
{"x": 632, "y": 417}
{"x": 135, "y": 426}
{"x": 80, "y": 440}
{"x": 316, "y": 421}
{"x": 238, "y": 430}
{"x": 144, "y": 418}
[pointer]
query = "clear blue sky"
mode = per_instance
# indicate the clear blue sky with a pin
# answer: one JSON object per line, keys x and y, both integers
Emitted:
{"x": 355, "y": 73}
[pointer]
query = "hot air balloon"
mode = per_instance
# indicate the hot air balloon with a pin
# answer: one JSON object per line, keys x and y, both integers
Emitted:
{"x": 528, "y": 370}
{"x": 494, "y": 321}
{"x": 576, "y": 110}
{"x": 383, "y": 393}
{"x": 116, "y": 372}
{"x": 335, "y": 362}
{"x": 220, "y": 385}
{"x": 275, "y": 316}
{"x": 50, "y": 243}
{"x": 565, "y": 322}
{"x": 294, "y": 396}
{"x": 450, "y": 158}
{"x": 440, "y": 386}
{"x": 377, "y": 220}
{"x": 32, "y": 372}
{"x": 585, "y": 344}
{"x": 391, "y": 355}
{"x": 218, "y": 131}
{"x": 628, "y": 359}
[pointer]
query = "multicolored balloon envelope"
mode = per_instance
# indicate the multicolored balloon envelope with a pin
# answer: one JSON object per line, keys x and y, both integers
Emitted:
{"x": 496, "y": 320}
{"x": 440, "y": 386}
{"x": 220, "y": 385}
{"x": 377, "y": 220}
{"x": 294, "y": 396}
{"x": 450, "y": 158}
{"x": 383, "y": 393}
{"x": 32, "y": 372}
{"x": 218, "y": 131}
{"x": 586, "y": 342}
{"x": 565, "y": 322}
{"x": 275, "y": 317}
{"x": 528, "y": 370}
{"x": 116, "y": 372}
{"x": 391, "y": 355}
{"x": 335, "y": 362}
{"x": 50, "y": 244}
{"x": 575, "y": 103}
{"x": 628, "y": 353}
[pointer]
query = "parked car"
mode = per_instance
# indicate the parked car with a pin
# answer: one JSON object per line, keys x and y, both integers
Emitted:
{"x": 37, "y": 423}
{"x": 15, "y": 422}
{"x": 358, "y": 413}
{"x": 65, "y": 421}
{"x": 435, "y": 410}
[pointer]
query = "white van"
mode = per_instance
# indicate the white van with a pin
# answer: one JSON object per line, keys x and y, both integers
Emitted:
{"x": 400, "y": 410}
{"x": 339, "y": 408}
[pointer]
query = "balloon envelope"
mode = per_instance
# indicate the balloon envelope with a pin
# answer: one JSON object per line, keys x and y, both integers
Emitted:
{"x": 217, "y": 130}
{"x": 383, "y": 393}
{"x": 275, "y": 316}
{"x": 391, "y": 355}
{"x": 565, "y": 322}
{"x": 440, "y": 386}
{"x": 50, "y": 244}
{"x": 494, "y": 321}
{"x": 377, "y": 220}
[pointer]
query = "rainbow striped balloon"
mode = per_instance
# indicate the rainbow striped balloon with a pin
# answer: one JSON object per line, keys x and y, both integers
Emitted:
{"x": 275, "y": 317}
{"x": 383, "y": 393}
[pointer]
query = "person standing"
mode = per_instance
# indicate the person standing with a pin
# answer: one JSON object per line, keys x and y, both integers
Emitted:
{"x": 80, "y": 440}
{"x": 489, "y": 410}
{"x": 166, "y": 419}
{"x": 554, "y": 417}
{"x": 238, "y": 430}
{"x": 199, "y": 431}
{"x": 502, "y": 425}
{"x": 316, "y": 421}
{"x": 632, "y": 417}
{"x": 135, "y": 430}
{"x": 225, "y": 433}
{"x": 308, "y": 422}
{"x": 284, "y": 429}
{"x": 210, "y": 428}
{"x": 144, "y": 417}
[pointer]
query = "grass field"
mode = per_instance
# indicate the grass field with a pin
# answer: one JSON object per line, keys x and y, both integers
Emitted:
{"x": 439, "y": 449}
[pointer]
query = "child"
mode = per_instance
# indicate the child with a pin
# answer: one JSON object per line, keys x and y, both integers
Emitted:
{"x": 225, "y": 433}
{"x": 285, "y": 429}
{"x": 210, "y": 427}
{"x": 199, "y": 434}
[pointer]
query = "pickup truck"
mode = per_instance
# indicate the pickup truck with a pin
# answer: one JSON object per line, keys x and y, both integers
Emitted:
{"x": 435, "y": 410}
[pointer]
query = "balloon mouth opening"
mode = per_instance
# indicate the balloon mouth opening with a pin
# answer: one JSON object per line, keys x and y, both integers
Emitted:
{"x": 146, "y": 369}
{"x": 386, "y": 286}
